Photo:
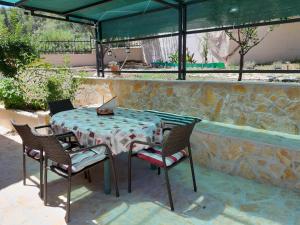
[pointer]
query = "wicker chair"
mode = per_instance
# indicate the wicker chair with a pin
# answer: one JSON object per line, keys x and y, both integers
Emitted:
{"x": 60, "y": 106}
{"x": 65, "y": 164}
{"x": 31, "y": 149}
{"x": 166, "y": 156}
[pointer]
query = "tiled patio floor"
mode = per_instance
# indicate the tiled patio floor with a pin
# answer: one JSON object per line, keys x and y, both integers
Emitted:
{"x": 221, "y": 199}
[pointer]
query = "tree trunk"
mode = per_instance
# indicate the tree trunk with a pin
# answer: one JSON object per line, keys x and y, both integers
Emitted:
{"x": 241, "y": 66}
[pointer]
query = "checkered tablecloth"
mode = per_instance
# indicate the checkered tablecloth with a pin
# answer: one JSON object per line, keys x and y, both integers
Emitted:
{"x": 117, "y": 130}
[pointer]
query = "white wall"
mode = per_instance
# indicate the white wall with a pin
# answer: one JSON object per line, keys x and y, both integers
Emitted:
{"x": 119, "y": 55}
{"x": 282, "y": 44}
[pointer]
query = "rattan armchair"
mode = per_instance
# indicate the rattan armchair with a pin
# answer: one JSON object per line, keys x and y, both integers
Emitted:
{"x": 60, "y": 106}
{"x": 65, "y": 165}
{"x": 167, "y": 155}
{"x": 30, "y": 148}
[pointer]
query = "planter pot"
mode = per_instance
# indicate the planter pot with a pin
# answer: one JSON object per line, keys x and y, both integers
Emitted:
{"x": 115, "y": 69}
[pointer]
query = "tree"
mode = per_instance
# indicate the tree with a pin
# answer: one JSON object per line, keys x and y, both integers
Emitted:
{"x": 205, "y": 47}
{"x": 246, "y": 39}
{"x": 16, "y": 48}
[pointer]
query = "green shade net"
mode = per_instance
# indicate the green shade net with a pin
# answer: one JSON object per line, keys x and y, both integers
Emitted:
{"x": 123, "y": 19}
{"x": 165, "y": 21}
{"x": 218, "y": 13}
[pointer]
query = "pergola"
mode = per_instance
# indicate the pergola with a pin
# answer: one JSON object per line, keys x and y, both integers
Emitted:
{"x": 124, "y": 21}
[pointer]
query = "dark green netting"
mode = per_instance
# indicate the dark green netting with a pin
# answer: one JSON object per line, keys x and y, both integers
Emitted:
{"x": 218, "y": 13}
{"x": 201, "y": 15}
{"x": 160, "y": 22}
{"x": 118, "y": 8}
{"x": 58, "y": 5}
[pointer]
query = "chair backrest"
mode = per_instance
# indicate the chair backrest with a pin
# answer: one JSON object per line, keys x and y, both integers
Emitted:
{"x": 178, "y": 139}
{"x": 27, "y": 136}
{"x": 60, "y": 106}
{"x": 53, "y": 149}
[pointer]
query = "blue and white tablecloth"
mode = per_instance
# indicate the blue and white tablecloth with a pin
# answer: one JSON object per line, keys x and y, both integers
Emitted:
{"x": 117, "y": 130}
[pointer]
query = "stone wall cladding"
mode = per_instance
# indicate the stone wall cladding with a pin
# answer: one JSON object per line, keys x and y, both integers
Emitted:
{"x": 257, "y": 161}
{"x": 268, "y": 106}
{"x": 260, "y": 105}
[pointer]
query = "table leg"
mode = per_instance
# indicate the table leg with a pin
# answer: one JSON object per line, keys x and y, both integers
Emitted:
{"x": 107, "y": 180}
{"x": 153, "y": 167}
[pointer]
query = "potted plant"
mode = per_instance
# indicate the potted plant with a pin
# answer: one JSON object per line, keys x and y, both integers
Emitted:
{"x": 115, "y": 68}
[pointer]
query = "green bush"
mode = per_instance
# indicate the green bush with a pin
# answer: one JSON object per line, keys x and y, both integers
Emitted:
{"x": 34, "y": 87}
{"x": 189, "y": 57}
{"x": 16, "y": 48}
{"x": 15, "y": 54}
{"x": 11, "y": 94}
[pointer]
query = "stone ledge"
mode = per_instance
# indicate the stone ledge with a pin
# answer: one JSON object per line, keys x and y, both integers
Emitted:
{"x": 23, "y": 117}
{"x": 265, "y": 156}
{"x": 265, "y": 137}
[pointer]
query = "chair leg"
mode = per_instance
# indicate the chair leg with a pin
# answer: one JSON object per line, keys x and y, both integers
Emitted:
{"x": 169, "y": 189}
{"x": 24, "y": 166}
{"x": 41, "y": 179}
{"x": 129, "y": 173}
{"x": 68, "y": 200}
{"x": 193, "y": 173}
{"x": 45, "y": 182}
{"x": 89, "y": 176}
{"x": 115, "y": 176}
{"x": 158, "y": 171}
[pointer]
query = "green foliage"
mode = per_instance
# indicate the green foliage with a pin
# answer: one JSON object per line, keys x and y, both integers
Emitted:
{"x": 11, "y": 94}
{"x": 37, "y": 85}
{"x": 246, "y": 39}
{"x": 174, "y": 57}
{"x": 16, "y": 48}
{"x": 15, "y": 54}
{"x": 189, "y": 57}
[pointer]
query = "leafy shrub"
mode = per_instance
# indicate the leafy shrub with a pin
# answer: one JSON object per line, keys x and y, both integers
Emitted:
{"x": 16, "y": 48}
{"x": 15, "y": 54}
{"x": 174, "y": 57}
{"x": 189, "y": 57}
{"x": 11, "y": 94}
{"x": 34, "y": 87}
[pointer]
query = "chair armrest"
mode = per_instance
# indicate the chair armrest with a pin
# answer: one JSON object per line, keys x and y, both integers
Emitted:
{"x": 150, "y": 144}
{"x": 48, "y": 127}
{"x": 68, "y": 135}
{"x": 64, "y": 135}
{"x": 89, "y": 148}
{"x": 43, "y": 126}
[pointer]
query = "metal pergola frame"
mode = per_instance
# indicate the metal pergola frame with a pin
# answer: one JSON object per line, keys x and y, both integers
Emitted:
{"x": 182, "y": 33}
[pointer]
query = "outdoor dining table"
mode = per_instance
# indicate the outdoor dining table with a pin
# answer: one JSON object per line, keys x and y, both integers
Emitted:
{"x": 117, "y": 131}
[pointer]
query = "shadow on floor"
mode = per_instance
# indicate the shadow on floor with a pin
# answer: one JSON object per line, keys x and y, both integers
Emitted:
{"x": 11, "y": 162}
{"x": 221, "y": 199}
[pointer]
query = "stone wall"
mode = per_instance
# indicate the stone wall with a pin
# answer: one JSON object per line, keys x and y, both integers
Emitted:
{"x": 254, "y": 136}
{"x": 269, "y": 106}
{"x": 268, "y": 163}
{"x": 33, "y": 119}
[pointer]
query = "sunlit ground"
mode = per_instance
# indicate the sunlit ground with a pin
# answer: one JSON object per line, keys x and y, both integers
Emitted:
{"x": 221, "y": 199}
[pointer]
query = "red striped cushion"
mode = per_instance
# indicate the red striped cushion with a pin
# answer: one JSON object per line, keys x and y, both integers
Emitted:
{"x": 154, "y": 156}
